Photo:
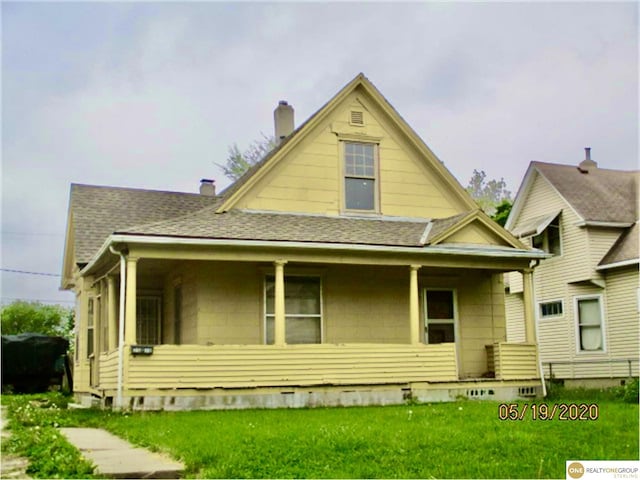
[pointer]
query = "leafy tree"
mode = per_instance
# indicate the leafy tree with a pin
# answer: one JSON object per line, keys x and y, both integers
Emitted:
{"x": 36, "y": 317}
{"x": 239, "y": 162}
{"x": 503, "y": 209}
{"x": 488, "y": 194}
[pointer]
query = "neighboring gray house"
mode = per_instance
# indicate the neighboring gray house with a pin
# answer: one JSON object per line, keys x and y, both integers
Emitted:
{"x": 586, "y": 295}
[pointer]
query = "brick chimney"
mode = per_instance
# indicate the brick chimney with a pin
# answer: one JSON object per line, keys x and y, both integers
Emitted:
{"x": 283, "y": 120}
{"x": 587, "y": 164}
{"x": 208, "y": 187}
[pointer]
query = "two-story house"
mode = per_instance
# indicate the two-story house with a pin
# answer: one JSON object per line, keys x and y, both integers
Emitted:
{"x": 348, "y": 267}
{"x": 586, "y": 294}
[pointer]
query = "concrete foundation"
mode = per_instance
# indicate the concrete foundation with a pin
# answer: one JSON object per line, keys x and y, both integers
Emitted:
{"x": 326, "y": 396}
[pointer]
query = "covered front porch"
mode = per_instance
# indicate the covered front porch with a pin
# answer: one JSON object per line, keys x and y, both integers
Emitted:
{"x": 253, "y": 328}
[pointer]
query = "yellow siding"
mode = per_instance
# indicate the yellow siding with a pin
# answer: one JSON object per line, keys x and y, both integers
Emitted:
{"x": 310, "y": 179}
{"x": 514, "y": 307}
{"x": 600, "y": 242}
{"x": 109, "y": 370}
{"x": 231, "y": 366}
{"x": 476, "y": 234}
{"x": 515, "y": 361}
{"x": 366, "y": 304}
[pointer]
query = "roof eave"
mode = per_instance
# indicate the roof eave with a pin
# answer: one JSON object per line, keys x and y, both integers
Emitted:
{"x": 462, "y": 250}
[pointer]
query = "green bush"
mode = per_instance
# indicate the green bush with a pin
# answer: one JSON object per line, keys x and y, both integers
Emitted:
{"x": 631, "y": 391}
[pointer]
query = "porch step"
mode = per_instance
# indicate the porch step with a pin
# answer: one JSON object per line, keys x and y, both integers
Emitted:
{"x": 116, "y": 458}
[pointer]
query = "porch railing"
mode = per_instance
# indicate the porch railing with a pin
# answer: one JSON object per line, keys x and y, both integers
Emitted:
{"x": 512, "y": 361}
{"x": 241, "y": 366}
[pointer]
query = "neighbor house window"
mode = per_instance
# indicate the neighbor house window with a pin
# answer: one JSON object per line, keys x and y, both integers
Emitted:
{"x": 440, "y": 312}
{"x": 303, "y": 309}
{"x": 551, "y": 309}
{"x": 589, "y": 313}
{"x": 90, "y": 326}
{"x": 360, "y": 176}
{"x": 549, "y": 239}
{"x": 148, "y": 320}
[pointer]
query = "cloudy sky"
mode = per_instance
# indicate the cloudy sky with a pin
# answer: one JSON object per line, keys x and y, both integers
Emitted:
{"x": 151, "y": 95}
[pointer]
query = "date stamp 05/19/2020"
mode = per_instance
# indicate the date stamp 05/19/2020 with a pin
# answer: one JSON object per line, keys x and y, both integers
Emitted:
{"x": 543, "y": 411}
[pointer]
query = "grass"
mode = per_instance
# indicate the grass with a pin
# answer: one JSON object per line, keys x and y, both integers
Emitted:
{"x": 453, "y": 440}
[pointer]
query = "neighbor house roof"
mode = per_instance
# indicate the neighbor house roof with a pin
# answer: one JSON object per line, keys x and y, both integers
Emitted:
{"x": 624, "y": 251}
{"x": 601, "y": 195}
{"x": 598, "y": 196}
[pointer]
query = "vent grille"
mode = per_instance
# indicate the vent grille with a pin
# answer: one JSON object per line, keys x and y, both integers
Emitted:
{"x": 479, "y": 393}
{"x": 357, "y": 118}
{"x": 527, "y": 391}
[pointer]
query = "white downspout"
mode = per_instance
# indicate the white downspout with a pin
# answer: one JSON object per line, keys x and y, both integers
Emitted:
{"x": 535, "y": 323}
{"x": 123, "y": 280}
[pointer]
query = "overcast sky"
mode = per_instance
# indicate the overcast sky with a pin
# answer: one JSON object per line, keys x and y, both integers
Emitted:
{"x": 150, "y": 95}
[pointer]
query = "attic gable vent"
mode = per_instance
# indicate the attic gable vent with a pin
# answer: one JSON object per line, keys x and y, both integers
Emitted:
{"x": 357, "y": 118}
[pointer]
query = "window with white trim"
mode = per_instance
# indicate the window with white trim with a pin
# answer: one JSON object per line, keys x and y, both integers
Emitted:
{"x": 551, "y": 309}
{"x": 440, "y": 314}
{"x": 303, "y": 309}
{"x": 148, "y": 319}
{"x": 360, "y": 176}
{"x": 589, "y": 316}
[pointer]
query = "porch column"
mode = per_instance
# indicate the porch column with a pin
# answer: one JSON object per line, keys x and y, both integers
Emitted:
{"x": 130, "y": 314}
{"x": 414, "y": 305}
{"x": 112, "y": 308}
{"x": 529, "y": 310}
{"x": 279, "y": 335}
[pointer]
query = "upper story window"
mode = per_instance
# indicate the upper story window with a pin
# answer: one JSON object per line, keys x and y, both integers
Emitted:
{"x": 549, "y": 239}
{"x": 360, "y": 176}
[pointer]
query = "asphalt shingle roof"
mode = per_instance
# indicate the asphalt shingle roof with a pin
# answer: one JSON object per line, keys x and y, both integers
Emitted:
{"x": 625, "y": 249}
{"x": 98, "y": 211}
{"x": 601, "y": 195}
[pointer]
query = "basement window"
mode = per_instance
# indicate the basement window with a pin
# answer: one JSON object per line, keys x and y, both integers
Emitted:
{"x": 551, "y": 309}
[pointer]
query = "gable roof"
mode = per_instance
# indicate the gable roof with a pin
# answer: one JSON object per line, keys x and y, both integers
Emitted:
{"x": 98, "y": 211}
{"x": 233, "y": 193}
{"x": 601, "y": 195}
{"x": 624, "y": 252}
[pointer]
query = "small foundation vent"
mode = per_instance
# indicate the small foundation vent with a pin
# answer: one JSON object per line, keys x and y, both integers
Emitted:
{"x": 479, "y": 393}
{"x": 527, "y": 391}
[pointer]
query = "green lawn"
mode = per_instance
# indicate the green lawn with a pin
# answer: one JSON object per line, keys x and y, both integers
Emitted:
{"x": 453, "y": 440}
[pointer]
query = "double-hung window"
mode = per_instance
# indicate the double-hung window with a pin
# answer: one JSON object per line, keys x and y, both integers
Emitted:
{"x": 91, "y": 317}
{"x": 440, "y": 316}
{"x": 589, "y": 313}
{"x": 303, "y": 309}
{"x": 360, "y": 176}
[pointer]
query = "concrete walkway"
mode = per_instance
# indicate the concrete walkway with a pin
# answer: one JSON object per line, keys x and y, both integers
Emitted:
{"x": 10, "y": 465}
{"x": 116, "y": 458}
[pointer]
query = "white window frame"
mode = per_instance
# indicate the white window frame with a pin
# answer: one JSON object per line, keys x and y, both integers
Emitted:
{"x": 91, "y": 326}
{"x": 375, "y": 178}
{"x": 266, "y": 315}
{"x": 549, "y": 317}
{"x": 576, "y": 316}
{"x": 456, "y": 332}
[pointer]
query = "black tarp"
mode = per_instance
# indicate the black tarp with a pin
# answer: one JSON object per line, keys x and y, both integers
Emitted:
{"x": 32, "y": 361}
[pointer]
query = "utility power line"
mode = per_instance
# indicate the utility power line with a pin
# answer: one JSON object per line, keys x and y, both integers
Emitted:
{"x": 10, "y": 270}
